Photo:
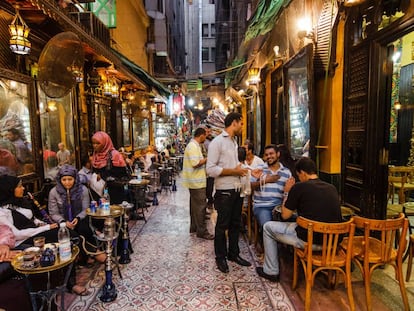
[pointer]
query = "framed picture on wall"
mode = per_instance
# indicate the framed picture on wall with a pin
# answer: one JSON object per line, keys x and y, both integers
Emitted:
{"x": 298, "y": 73}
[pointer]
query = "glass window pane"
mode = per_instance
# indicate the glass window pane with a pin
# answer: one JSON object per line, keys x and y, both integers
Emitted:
{"x": 57, "y": 130}
{"x": 140, "y": 133}
{"x": 204, "y": 54}
{"x": 205, "y": 30}
{"x": 16, "y": 154}
{"x": 213, "y": 30}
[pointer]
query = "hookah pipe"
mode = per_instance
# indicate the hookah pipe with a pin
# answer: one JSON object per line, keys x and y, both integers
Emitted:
{"x": 42, "y": 209}
{"x": 70, "y": 216}
{"x": 125, "y": 258}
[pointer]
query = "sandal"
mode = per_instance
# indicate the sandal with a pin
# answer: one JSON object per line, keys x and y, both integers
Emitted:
{"x": 80, "y": 290}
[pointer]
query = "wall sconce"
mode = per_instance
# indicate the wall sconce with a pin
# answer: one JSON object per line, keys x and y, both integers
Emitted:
{"x": 19, "y": 32}
{"x": 276, "y": 51}
{"x": 253, "y": 76}
{"x": 305, "y": 31}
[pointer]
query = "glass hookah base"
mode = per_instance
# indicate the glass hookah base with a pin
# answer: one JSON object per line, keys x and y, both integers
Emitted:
{"x": 109, "y": 293}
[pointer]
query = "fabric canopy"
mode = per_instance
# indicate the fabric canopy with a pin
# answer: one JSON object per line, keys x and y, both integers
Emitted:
{"x": 143, "y": 75}
{"x": 236, "y": 65}
{"x": 264, "y": 18}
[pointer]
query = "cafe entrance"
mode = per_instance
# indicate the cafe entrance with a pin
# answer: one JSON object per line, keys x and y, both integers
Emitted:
{"x": 378, "y": 104}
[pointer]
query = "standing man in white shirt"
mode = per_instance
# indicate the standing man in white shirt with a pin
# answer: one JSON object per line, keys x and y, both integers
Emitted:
{"x": 224, "y": 166}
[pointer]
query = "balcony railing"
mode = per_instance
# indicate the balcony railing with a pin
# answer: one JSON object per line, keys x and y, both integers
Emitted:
{"x": 93, "y": 25}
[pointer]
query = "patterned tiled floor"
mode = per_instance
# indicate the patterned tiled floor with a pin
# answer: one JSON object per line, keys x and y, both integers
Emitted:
{"x": 174, "y": 270}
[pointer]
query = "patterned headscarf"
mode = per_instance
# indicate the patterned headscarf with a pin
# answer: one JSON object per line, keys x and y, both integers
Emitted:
{"x": 100, "y": 159}
{"x": 77, "y": 190}
{"x": 73, "y": 203}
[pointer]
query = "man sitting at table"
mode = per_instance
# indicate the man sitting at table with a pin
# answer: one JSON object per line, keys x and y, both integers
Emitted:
{"x": 311, "y": 198}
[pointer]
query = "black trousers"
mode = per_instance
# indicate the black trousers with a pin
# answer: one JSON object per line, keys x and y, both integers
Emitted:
{"x": 209, "y": 190}
{"x": 228, "y": 204}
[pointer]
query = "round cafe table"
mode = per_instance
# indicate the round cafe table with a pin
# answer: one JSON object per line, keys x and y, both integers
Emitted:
{"x": 143, "y": 175}
{"x": 138, "y": 190}
{"x": 47, "y": 295}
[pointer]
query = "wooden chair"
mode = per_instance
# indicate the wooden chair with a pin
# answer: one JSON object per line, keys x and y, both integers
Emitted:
{"x": 331, "y": 257}
{"x": 410, "y": 258}
{"x": 247, "y": 216}
{"x": 377, "y": 247}
{"x": 396, "y": 184}
{"x": 399, "y": 180}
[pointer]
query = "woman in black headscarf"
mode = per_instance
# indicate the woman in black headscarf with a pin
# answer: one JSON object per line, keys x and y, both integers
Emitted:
{"x": 15, "y": 212}
{"x": 68, "y": 202}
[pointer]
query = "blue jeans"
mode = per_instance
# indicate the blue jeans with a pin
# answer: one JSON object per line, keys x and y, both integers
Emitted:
{"x": 263, "y": 214}
{"x": 273, "y": 232}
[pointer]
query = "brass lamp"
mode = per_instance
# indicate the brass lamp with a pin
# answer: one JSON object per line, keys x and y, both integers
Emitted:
{"x": 107, "y": 88}
{"x": 253, "y": 75}
{"x": 19, "y": 32}
{"x": 114, "y": 89}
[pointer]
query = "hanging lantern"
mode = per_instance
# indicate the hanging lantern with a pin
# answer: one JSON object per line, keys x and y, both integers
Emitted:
{"x": 107, "y": 88}
{"x": 253, "y": 75}
{"x": 19, "y": 32}
{"x": 114, "y": 89}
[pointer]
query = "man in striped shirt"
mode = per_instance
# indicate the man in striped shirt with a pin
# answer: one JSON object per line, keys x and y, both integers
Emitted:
{"x": 269, "y": 185}
{"x": 194, "y": 178}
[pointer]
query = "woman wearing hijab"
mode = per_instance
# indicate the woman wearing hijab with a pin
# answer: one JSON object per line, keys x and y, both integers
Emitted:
{"x": 68, "y": 202}
{"x": 110, "y": 165}
{"x": 15, "y": 213}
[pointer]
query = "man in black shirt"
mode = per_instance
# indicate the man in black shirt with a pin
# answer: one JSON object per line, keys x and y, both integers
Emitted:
{"x": 312, "y": 198}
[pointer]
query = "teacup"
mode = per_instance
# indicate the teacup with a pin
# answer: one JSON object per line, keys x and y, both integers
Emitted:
{"x": 39, "y": 242}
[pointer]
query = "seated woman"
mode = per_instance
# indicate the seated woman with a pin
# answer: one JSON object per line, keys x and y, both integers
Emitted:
{"x": 15, "y": 212}
{"x": 68, "y": 202}
{"x": 110, "y": 165}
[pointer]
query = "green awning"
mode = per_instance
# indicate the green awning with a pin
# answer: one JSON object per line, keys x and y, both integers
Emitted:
{"x": 143, "y": 75}
{"x": 264, "y": 18}
{"x": 237, "y": 65}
